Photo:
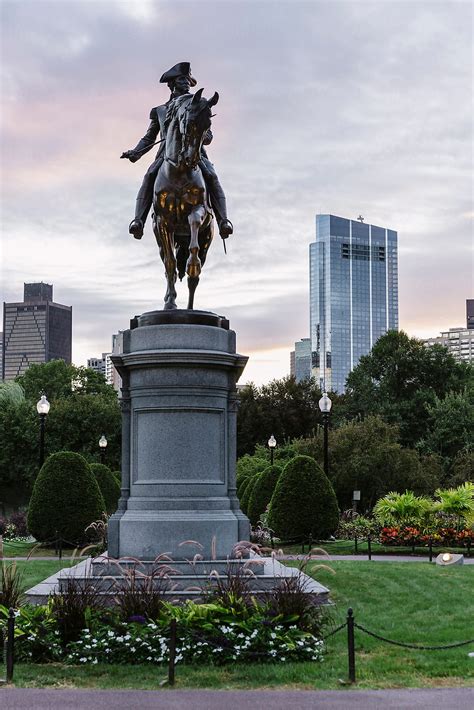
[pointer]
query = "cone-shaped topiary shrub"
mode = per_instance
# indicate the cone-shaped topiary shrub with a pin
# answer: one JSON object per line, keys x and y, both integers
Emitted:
{"x": 66, "y": 499}
{"x": 304, "y": 502}
{"x": 244, "y": 499}
{"x": 108, "y": 484}
{"x": 262, "y": 492}
{"x": 247, "y": 467}
{"x": 118, "y": 476}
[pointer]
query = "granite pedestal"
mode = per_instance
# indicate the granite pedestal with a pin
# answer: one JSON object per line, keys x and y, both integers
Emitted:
{"x": 179, "y": 408}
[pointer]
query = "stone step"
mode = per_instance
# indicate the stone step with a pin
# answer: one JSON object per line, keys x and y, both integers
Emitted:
{"x": 171, "y": 583}
{"x": 181, "y": 587}
{"x": 107, "y": 566}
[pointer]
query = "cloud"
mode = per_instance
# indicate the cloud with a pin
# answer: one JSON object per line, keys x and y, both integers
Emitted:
{"x": 338, "y": 107}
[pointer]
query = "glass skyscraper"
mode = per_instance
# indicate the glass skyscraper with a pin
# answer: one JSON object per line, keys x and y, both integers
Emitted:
{"x": 353, "y": 294}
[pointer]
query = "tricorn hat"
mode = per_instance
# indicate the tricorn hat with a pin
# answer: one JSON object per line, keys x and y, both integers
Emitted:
{"x": 180, "y": 69}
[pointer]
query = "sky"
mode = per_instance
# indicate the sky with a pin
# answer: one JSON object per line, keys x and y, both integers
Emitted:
{"x": 325, "y": 107}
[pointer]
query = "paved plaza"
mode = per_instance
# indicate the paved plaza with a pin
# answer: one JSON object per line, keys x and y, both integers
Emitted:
{"x": 408, "y": 699}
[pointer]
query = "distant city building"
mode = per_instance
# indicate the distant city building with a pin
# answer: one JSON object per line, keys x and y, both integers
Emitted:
{"x": 97, "y": 363}
{"x": 35, "y": 330}
{"x": 470, "y": 313}
{"x": 459, "y": 341}
{"x": 117, "y": 349}
{"x": 353, "y": 294}
{"x": 105, "y": 365}
{"x": 300, "y": 360}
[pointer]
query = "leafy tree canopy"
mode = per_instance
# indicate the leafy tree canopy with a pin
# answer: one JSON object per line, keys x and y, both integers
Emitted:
{"x": 400, "y": 379}
{"x": 285, "y": 408}
{"x": 59, "y": 380}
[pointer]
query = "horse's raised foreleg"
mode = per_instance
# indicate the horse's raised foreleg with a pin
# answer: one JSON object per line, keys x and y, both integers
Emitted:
{"x": 165, "y": 238}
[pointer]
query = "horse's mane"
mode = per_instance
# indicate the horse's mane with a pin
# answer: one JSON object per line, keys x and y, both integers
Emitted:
{"x": 173, "y": 107}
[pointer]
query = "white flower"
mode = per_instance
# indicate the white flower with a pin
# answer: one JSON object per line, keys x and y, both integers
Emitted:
{"x": 110, "y": 634}
{"x": 83, "y": 660}
{"x": 95, "y": 661}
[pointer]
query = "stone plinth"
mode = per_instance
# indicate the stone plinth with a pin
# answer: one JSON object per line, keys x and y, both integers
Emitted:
{"x": 179, "y": 407}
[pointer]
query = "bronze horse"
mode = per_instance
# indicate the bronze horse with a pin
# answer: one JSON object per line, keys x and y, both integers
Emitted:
{"x": 182, "y": 217}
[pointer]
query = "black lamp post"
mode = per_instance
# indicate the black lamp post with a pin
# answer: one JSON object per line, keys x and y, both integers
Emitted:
{"x": 272, "y": 445}
{"x": 42, "y": 407}
{"x": 325, "y": 405}
{"x": 103, "y": 446}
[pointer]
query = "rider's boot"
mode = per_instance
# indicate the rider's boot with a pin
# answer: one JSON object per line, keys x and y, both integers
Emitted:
{"x": 219, "y": 205}
{"x": 142, "y": 207}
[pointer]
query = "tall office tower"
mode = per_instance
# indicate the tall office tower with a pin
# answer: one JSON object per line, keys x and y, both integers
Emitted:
{"x": 1, "y": 356}
{"x": 34, "y": 331}
{"x": 353, "y": 294}
{"x": 300, "y": 360}
{"x": 470, "y": 313}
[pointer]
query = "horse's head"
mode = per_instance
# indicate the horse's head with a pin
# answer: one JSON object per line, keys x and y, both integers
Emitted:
{"x": 194, "y": 120}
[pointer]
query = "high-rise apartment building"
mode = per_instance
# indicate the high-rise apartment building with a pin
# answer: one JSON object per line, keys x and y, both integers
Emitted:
{"x": 35, "y": 330}
{"x": 459, "y": 341}
{"x": 353, "y": 294}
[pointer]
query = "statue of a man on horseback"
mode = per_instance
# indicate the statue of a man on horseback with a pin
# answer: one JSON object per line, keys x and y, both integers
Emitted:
{"x": 179, "y": 80}
{"x": 181, "y": 183}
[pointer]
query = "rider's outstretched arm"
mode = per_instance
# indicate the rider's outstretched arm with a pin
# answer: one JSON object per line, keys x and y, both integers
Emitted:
{"x": 146, "y": 143}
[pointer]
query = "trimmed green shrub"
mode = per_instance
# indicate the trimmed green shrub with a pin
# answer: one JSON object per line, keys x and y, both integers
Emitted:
{"x": 118, "y": 476}
{"x": 245, "y": 497}
{"x": 304, "y": 502}
{"x": 108, "y": 484}
{"x": 66, "y": 499}
{"x": 262, "y": 492}
{"x": 249, "y": 466}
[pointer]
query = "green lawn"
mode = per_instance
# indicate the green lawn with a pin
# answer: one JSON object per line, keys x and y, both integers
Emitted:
{"x": 416, "y": 602}
{"x": 23, "y": 549}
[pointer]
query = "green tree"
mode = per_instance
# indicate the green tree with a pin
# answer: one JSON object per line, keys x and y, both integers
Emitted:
{"x": 463, "y": 469}
{"x": 365, "y": 455}
{"x": 450, "y": 425}
{"x": 400, "y": 379}
{"x": 66, "y": 499}
{"x": 303, "y": 503}
{"x": 76, "y": 423}
{"x": 59, "y": 380}
{"x": 19, "y": 451}
{"x": 285, "y": 408}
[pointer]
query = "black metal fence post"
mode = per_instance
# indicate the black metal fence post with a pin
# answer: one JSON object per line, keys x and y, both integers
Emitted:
{"x": 10, "y": 644}
{"x": 355, "y": 545}
{"x": 469, "y": 547}
{"x": 430, "y": 548}
{"x": 351, "y": 646}
{"x": 369, "y": 547}
{"x": 172, "y": 655}
{"x": 60, "y": 548}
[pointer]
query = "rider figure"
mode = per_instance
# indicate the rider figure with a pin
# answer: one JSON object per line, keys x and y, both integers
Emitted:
{"x": 179, "y": 80}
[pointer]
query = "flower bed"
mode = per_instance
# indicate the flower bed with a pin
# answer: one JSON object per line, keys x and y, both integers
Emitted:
{"x": 409, "y": 535}
{"x": 206, "y": 633}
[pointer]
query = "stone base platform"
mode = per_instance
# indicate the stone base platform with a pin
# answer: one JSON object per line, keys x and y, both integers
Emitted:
{"x": 179, "y": 581}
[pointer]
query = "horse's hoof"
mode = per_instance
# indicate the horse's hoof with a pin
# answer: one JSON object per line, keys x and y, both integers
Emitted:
{"x": 170, "y": 306}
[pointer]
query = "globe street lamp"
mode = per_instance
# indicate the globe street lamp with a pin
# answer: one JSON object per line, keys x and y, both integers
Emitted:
{"x": 102, "y": 445}
{"x": 42, "y": 407}
{"x": 272, "y": 445}
{"x": 325, "y": 405}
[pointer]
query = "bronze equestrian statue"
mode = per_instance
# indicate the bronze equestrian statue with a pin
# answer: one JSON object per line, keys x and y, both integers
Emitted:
{"x": 181, "y": 183}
